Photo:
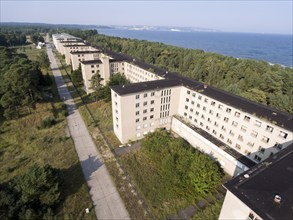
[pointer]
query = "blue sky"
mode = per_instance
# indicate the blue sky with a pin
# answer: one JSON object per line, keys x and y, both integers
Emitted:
{"x": 273, "y": 16}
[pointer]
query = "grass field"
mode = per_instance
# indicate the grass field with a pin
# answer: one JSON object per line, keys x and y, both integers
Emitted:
{"x": 23, "y": 144}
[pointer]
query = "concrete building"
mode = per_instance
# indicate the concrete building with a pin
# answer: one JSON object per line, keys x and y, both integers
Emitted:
{"x": 68, "y": 49}
{"x": 77, "y": 56}
{"x": 60, "y": 39}
{"x": 235, "y": 131}
{"x": 263, "y": 192}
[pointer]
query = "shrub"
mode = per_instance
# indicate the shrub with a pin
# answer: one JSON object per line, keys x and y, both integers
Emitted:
{"x": 47, "y": 123}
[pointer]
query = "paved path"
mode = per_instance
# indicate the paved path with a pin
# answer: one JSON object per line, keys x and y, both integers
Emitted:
{"x": 107, "y": 202}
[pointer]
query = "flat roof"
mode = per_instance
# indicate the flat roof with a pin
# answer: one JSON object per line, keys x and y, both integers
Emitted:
{"x": 144, "y": 86}
{"x": 85, "y": 62}
{"x": 77, "y": 45}
{"x": 84, "y": 52}
{"x": 258, "y": 186}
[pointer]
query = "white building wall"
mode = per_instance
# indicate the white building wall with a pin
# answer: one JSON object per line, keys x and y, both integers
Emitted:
{"x": 228, "y": 163}
{"x": 75, "y": 48}
{"x": 240, "y": 130}
{"x": 235, "y": 209}
{"x": 76, "y": 58}
{"x": 88, "y": 70}
{"x": 136, "y": 74}
{"x": 134, "y": 115}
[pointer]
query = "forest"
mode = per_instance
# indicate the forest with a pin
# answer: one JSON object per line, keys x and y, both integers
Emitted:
{"x": 271, "y": 85}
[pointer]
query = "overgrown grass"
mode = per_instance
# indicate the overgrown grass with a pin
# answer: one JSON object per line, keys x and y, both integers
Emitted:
{"x": 211, "y": 212}
{"x": 22, "y": 144}
{"x": 170, "y": 174}
{"x": 31, "y": 51}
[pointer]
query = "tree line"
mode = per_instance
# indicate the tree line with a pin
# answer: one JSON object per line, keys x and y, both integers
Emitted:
{"x": 21, "y": 82}
{"x": 271, "y": 85}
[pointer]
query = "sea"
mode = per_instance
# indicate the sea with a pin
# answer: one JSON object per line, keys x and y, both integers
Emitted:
{"x": 273, "y": 48}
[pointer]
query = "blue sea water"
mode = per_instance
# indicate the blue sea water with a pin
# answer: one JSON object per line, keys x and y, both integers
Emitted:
{"x": 273, "y": 48}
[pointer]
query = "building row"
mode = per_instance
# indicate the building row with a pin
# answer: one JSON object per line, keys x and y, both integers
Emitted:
{"x": 237, "y": 132}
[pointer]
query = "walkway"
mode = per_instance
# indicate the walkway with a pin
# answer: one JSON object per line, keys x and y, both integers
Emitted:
{"x": 106, "y": 199}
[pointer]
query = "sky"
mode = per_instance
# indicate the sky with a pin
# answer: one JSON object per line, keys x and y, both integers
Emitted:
{"x": 274, "y": 16}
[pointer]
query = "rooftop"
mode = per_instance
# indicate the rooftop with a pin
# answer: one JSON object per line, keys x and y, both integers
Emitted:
{"x": 275, "y": 116}
{"x": 77, "y": 45}
{"x": 85, "y": 52}
{"x": 144, "y": 86}
{"x": 85, "y": 62}
{"x": 259, "y": 186}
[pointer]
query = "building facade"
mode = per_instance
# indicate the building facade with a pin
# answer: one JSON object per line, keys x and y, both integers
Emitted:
{"x": 237, "y": 132}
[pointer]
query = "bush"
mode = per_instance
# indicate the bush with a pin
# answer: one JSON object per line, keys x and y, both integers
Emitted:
{"x": 47, "y": 123}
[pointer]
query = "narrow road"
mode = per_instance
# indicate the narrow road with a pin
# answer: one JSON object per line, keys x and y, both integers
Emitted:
{"x": 106, "y": 199}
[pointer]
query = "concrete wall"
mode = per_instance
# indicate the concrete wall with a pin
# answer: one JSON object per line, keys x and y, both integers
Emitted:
{"x": 235, "y": 209}
{"x": 228, "y": 163}
{"x": 76, "y": 58}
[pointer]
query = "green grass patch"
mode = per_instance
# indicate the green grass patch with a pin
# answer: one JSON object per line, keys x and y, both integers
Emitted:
{"x": 211, "y": 212}
{"x": 31, "y": 51}
{"x": 171, "y": 174}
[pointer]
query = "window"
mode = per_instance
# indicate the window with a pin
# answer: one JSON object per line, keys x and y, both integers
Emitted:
{"x": 145, "y": 111}
{"x": 152, "y": 93}
{"x": 193, "y": 94}
{"x": 261, "y": 149}
{"x": 221, "y": 136}
{"x": 209, "y": 120}
{"x": 283, "y": 134}
{"x": 199, "y": 97}
{"x": 240, "y": 138}
{"x": 211, "y": 112}
{"x": 137, "y": 105}
{"x": 251, "y": 144}
{"x": 213, "y": 103}
{"x": 238, "y": 146}
{"x": 254, "y": 134}
{"x": 145, "y": 103}
{"x": 237, "y": 114}
{"x": 216, "y": 124}
{"x": 185, "y": 114}
{"x": 137, "y": 113}
{"x": 218, "y": 115}
{"x": 246, "y": 118}
{"x": 206, "y": 100}
{"x": 191, "y": 109}
{"x": 214, "y": 132}
{"x": 234, "y": 123}
{"x": 258, "y": 158}
{"x": 269, "y": 128}
{"x": 187, "y": 99}
{"x": 223, "y": 128}
{"x": 226, "y": 119}
{"x": 144, "y": 118}
{"x": 278, "y": 146}
{"x": 208, "y": 128}
{"x": 192, "y": 102}
{"x": 243, "y": 128}
{"x": 228, "y": 110}
{"x": 247, "y": 152}
{"x": 198, "y": 105}
{"x": 152, "y": 116}
{"x": 137, "y": 120}
{"x": 197, "y": 113}
{"x": 93, "y": 71}
{"x": 138, "y": 127}
{"x": 265, "y": 139}
{"x": 204, "y": 108}
{"x": 145, "y": 125}
{"x": 92, "y": 66}
{"x": 188, "y": 92}
{"x": 137, "y": 96}
{"x": 152, "y": 102}
{"x": 152, "y": 109}
{"x": 229, "y": 141}
{"x": 202, "y": 116}
{"x": 220, "y": 106}
{"x": 145, "y": 95}
{"x": 231, "y": 133}
{"x": 186, "y": 107}
{"x": 190, "y": 117}
{"x": 201, "y": 124}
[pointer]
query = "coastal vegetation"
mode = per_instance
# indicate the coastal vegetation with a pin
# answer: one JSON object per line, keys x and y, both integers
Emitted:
{"x": 171, "y": 174}
{"x": 270, "y": 85}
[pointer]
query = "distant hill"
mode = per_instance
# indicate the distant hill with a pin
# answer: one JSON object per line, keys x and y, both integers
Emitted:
{"x": 73, "y": 26}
